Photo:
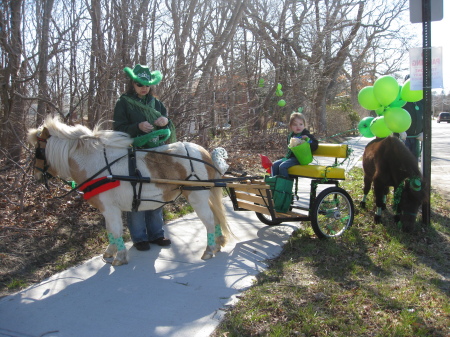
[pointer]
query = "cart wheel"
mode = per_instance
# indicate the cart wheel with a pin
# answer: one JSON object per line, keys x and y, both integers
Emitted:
{"x": 332, "y": 212}
{"x": 267, "y": 219}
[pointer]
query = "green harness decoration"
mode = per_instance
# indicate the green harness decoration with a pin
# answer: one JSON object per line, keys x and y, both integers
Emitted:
{"x": 415, "y": 185}
{"x": 155, "y": 138}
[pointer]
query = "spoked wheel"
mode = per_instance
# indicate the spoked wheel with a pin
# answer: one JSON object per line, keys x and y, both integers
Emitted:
{"x": 332, "y": 212}
{"x": 267, "y": 219}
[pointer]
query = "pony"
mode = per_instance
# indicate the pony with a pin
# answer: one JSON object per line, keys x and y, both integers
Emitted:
{"x": 388, "y": 162}
{"x": 93, "y": 158}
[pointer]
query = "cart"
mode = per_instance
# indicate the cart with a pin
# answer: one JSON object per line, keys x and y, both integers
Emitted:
{"x": 330, "y": 212}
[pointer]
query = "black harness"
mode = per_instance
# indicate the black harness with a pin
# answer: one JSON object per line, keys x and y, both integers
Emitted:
{"x": 135, "y": 177}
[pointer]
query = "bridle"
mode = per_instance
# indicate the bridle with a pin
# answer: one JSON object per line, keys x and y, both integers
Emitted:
{"x": 415, "y": 184}
{"x": 40, "y": 155}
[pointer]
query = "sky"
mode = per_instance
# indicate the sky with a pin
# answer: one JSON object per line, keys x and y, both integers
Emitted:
{"x": 440, "y": 31}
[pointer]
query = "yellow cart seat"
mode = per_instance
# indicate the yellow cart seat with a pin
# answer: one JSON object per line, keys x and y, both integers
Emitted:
{"x": 319, "y": 171}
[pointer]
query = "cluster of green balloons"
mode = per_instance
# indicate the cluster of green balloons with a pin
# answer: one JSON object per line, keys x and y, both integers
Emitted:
{"x": 279, "y": 93}
{"x": 387, "y": 98}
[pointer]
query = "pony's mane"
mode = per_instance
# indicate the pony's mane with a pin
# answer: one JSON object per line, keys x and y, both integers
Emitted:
{"x": 67, "y": 139}
{"x": 86, "y": 136}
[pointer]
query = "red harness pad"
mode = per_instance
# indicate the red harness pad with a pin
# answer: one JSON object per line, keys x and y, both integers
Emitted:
{"x": 97, "y": 186}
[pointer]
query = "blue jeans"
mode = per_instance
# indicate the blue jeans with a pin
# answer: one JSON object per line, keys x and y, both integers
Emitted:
{"x": 280, "y": 167}
{"x": 146, "y": 225}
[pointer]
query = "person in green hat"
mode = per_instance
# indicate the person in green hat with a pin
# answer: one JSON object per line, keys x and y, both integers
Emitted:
{"x": 138, "y": 112}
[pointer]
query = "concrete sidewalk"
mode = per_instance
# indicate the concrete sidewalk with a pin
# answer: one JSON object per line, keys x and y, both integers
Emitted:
{"x": 161, "y": 292}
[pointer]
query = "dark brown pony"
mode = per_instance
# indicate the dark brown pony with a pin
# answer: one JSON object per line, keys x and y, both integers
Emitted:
{"x": 388, "y": 162}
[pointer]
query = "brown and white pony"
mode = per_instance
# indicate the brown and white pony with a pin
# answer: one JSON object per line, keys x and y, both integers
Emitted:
{"x": 388, "y": 162}
{"x": 85, "y": 155}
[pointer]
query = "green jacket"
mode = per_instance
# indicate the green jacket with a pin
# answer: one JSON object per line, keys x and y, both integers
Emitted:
{"x": 127, "y": 117}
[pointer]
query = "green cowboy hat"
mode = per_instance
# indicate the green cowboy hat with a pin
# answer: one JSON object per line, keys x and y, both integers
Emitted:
{"x": 142, "y": 75}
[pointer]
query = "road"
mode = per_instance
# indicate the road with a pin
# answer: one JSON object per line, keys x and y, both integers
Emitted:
{"x": 440, "y": 158}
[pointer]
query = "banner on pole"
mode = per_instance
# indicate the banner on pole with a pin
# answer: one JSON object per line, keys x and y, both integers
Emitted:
{"x": 416, "y": 68}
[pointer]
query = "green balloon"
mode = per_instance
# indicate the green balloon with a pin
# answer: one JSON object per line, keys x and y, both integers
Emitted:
{"x": 385, "y": 90}
{"x": 397, "y": 119}
{"x": 398, "y": 103}
{"x": 261, "y": 82}
{"x": 380, "y": 111}
{"x": 367, "y": 99}
{"x": 279, "y": 93}
{"x": 364, "y": 127}
{"x": 281, "y": 102}
{"x": 279, "y": 86}
{"x": 379, "y": 128}
{"x": 409, "y": 95}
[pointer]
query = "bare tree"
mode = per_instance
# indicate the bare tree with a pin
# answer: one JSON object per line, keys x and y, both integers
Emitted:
{"x": 12, "y": 79}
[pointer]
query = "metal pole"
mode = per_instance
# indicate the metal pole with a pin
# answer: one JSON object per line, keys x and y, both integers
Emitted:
{"x": 426, "y": 38}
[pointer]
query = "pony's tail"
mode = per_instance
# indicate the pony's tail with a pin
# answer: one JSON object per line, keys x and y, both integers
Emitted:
{"x": 218, "y": 209}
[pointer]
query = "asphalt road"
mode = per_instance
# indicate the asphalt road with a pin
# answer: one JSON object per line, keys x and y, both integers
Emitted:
{"x": 440, "y": 158}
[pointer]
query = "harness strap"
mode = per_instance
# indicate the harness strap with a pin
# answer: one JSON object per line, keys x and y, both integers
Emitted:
{"x": 181, "y": 156}
{"x": 90, "y": 178}
{"x": 106, "y": 159}
{"x": 193, "y": 174}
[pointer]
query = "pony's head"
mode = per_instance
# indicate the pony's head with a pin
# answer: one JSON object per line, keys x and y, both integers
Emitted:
{"x": 38, "y": 138}
{"x": 57, "y": 142}
{"x": 408, "y": 197}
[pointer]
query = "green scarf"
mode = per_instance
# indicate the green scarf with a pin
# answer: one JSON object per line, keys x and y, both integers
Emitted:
{"x": 151, "y": 114}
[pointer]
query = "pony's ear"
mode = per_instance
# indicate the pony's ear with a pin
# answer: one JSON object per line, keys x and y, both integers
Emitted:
{"x": 45, "y": 134}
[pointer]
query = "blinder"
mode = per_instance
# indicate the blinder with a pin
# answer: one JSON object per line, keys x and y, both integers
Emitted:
{"x": 40, "y": 153}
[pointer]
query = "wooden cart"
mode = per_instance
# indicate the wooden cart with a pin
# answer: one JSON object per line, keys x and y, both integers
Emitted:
{"x": 331, "y": 211}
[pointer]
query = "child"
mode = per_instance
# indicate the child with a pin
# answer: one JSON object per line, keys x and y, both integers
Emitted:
{"x": 297, "y": 125}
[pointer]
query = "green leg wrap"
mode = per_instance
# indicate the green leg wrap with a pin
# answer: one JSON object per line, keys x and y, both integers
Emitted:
{"x": 384, "y": 199}
{"x": 364, "y": 198}
{"x": 120, "y": 244}
{"x": 379, "y": 211}
{"x": 218, "y": 231}
{"x": 211, "y": 241}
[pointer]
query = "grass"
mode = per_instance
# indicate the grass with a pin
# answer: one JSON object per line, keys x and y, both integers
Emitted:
{"x": 374, "y": 280}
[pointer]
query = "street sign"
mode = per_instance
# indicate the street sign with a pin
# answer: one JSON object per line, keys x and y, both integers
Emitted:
{"x": 415, "y": 10}
{"x": 416, "y": 68}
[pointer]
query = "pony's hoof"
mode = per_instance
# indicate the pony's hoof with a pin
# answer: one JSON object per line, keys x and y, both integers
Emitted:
{"x": 119, "y": 262}
{"x": 383, "y": 207}
{"x": 208, "y": 253}
{"x": 362, "y": 204}
{"x": 107, "y": 256}
{"x": 377, "y": 219}
{"x": 397, "y": 218}
{"x": 107, "y": 259}
{"x": 207, "y": 256}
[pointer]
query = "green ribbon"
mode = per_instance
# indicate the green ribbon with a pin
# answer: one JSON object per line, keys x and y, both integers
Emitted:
{"x": 151, "y": 115}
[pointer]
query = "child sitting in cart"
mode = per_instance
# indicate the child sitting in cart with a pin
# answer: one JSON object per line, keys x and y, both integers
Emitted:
{"x": 298, "y": 134}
